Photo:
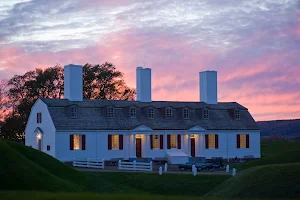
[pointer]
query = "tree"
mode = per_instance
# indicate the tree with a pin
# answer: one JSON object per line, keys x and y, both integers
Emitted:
{"x": 105, "y": 82}
{"x": 99, "y": 82}
{"x": 4, "y": 103}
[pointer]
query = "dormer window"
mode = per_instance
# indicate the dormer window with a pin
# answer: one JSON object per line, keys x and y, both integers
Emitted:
{"x": 132, "y": 112}
{"x": 74, "y": 113}
{"x": 168, "y": 113}
{"x": 110, "y": 112}
{"x": 237, "y": 114}
{"x": 205, "y": 114}
{"x": 186, "y": 114}
{"x": 151, "y": 113}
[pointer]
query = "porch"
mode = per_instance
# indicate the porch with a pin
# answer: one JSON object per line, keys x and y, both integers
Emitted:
{"x": 174, "y": 148}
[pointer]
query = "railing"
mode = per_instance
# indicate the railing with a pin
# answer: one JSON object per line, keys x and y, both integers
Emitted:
{"x": 88, "y": 163}
{"x": 135, "y": 166}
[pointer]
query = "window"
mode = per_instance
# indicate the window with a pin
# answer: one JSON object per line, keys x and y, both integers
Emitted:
{"x": 48, "y": 147}
{"x": 243, "y": 141}
{"x": 205, "y": 114}
{"x": 186, "y": 113}
{"x": 132, "y": 112}
{"x": 39, "y": 118}
{"x": 155, "y": 141}
{"x": 77, "y": 142}
{"x": 211, "y": 141}
{"x": 110, "y": 112}
{"x": 74, "y": 112}
{"x": 173, "y": 141}
{"x": 151, "y": 113}
{"x": 237, "y": 114}
{"x": 115, "y": 142}
{"x": 168, "y": 113}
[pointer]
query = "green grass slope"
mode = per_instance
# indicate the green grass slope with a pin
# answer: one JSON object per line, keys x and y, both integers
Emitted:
{"x": 278, "y": 181}
{"x": 19, "y": 173}
{"x": 47, "y": 162}
{"x": 5, "y": 195}
{"x": 274, "y": 153}
{"x": 24, "y": 168}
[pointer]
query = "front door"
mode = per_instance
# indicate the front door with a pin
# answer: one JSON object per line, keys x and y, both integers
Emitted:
{"x": 39, "y": 143}
{"x": 193, "y": 147}
{"x": 138, "y": 147}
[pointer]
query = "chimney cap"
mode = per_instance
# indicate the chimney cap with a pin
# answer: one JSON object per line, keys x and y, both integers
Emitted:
{"x": 72, "y": 65}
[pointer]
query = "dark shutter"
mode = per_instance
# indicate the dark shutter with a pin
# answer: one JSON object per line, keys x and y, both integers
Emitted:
{"x": 151, "y": 141}
{"x": 82, "y": 142}
{"x": 178, "y": 141}
{"x": 109, "y": 142}
{"x": 238, "y": 141}
{"x": 120, "y": 142}
{"x": 71, "y": 142}
{"x": 206, "y": 141}
{"x": 247, "y": 141}
{"x": 169, "y": 141}
{"x": 48, "y": 147}
{"x": 216, "y": 141}
{"x": 161, "y": 141}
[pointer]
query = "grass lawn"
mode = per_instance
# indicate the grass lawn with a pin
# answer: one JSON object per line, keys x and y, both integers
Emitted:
{"x": 277, "y": 181}
{"x": 274, "y": 153}
{"x": 36, "y": 195}
{"x": 40, "y": 176}
{"x": 39, "y": 171}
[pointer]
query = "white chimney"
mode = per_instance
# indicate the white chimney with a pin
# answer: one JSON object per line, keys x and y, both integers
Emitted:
{"x": 208, "y": 87}
{"x": 73, "y": 82}
{"x": 143, "y": 84}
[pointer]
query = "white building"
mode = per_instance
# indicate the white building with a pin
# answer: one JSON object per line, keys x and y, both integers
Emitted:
{"x": 106, "y": 129}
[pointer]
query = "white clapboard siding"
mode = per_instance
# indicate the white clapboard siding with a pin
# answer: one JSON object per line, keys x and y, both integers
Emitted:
{"x": 135, "y": 166}
{"x": 88, "y": 162}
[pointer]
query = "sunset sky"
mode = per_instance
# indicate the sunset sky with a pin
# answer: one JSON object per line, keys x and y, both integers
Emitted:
{"x": 253, "y": 44}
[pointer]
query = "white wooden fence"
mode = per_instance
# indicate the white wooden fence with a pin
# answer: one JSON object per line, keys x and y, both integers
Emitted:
{"x": 88, "y": 163}
{"x": 135, "y": 166}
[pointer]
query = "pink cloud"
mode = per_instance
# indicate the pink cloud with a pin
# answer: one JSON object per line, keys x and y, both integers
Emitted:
{"x": 176, "y": 65}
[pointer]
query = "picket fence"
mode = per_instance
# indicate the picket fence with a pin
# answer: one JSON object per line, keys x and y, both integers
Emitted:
{"x": 88, "y": 163}
{"x": 135, "y": 166}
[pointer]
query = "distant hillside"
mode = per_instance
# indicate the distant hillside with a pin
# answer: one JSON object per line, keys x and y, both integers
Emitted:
{"x": 280, "y": 127}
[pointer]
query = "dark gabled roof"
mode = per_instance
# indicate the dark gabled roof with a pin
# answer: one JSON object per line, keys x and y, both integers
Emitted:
{"x": 92, "y": 115}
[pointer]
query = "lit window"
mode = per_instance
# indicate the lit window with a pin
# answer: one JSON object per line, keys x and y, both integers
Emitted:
{"x": 77, "y": 142}
{"x": 168, "y": 113}
{"x": 151, "y": 113}
{"x": 173, "y": 141}
{"x": 243, "y": 140}
{"x": 115, "y": 141}
{"x": 185, "y": 113}
{"x": 155, "y": 141}
{"x": 73, "y": 112}
{"x": 205, "y": 114}
{"x": 110, "y": 112}
{"x": 236, "y": 114}
{"x": 132, "y": 112}
{"x": 211, "y": 141}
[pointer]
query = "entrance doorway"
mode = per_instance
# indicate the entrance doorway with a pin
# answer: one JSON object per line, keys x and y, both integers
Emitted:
{"x": 193, "y": 150}
{"x": 138, "y": 147}
{"x": 39, "y": 143}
